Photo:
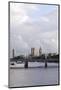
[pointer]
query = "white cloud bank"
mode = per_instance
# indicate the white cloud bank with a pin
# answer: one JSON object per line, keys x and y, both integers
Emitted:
{"x": 27, "y": 31}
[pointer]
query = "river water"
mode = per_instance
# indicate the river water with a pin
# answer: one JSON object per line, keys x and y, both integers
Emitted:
{"x": 36, "y": 74}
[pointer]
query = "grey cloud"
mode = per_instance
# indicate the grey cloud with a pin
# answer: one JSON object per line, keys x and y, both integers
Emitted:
{"x": 30, "y": 33}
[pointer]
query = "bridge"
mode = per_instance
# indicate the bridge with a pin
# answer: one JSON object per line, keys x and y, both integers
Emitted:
{"x": 26, "y": 63}
{"x": 35, "y": 59}
{"x": 27, "y": 60}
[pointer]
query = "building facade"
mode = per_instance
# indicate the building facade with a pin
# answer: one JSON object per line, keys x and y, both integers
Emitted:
{"x": 36, "y": 52}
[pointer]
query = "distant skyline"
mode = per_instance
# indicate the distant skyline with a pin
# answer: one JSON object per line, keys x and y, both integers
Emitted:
{"x": 33, "y": 25}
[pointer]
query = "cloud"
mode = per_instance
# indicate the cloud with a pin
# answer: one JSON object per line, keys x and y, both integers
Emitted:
{"x": 28, "y": 31}
{"x": 19, "y": 13}
{"x": 44, "y": 19}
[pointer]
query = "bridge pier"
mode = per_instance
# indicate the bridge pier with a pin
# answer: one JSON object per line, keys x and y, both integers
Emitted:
{"x": 45, "y": 63}
{"x": 26, "y": 64}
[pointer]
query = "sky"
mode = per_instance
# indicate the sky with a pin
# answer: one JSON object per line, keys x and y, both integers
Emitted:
{"x": 33, "y": 25}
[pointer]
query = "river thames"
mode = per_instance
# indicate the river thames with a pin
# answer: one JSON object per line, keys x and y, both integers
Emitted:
{"x": 36, "y": 74}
